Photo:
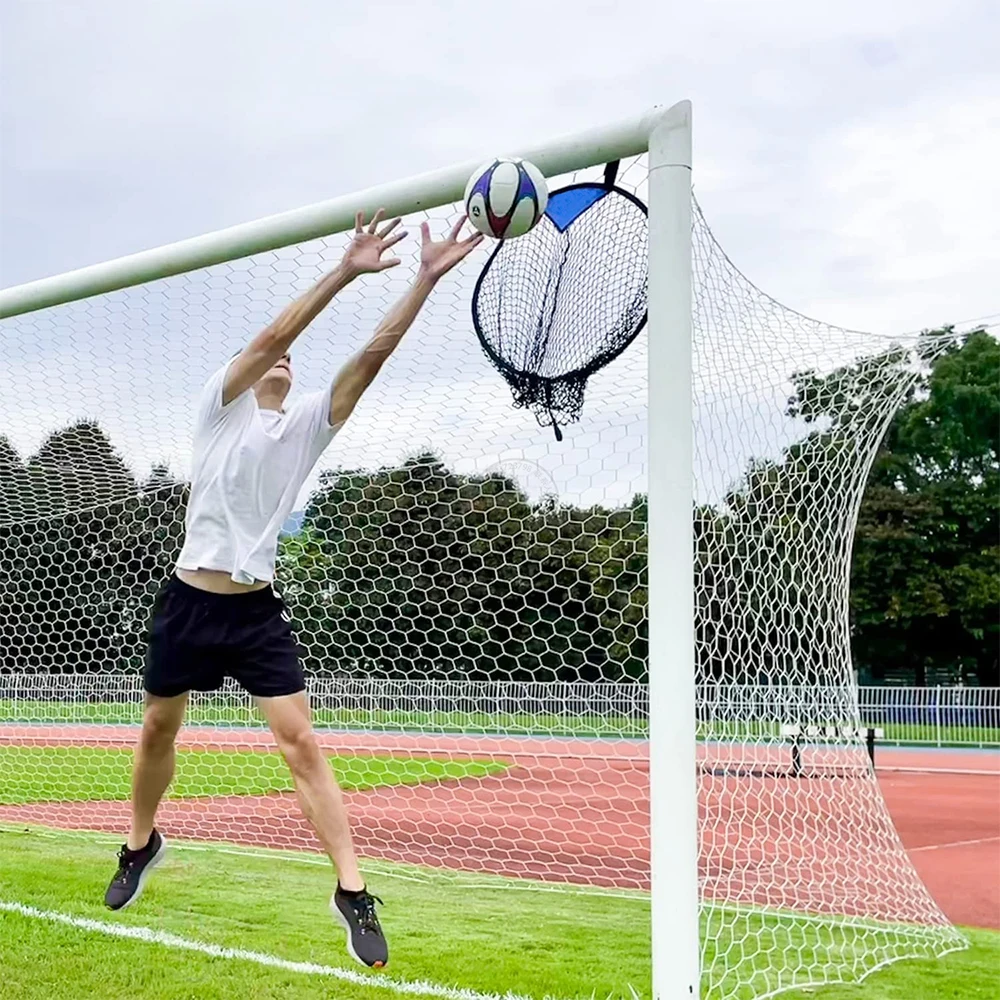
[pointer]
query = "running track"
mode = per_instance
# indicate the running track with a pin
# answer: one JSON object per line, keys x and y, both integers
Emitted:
{"x": 578, "y": 811}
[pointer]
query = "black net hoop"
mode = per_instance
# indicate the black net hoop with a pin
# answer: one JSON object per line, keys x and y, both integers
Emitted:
{"x": 556, "y": 305}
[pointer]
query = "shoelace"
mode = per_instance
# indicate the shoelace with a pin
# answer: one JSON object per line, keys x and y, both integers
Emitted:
{"x": 364, "y": 907}
{"x": 124, "y": 863}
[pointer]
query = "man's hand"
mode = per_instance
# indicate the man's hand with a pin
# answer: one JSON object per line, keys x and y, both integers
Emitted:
{"x": 437, "y": 259}
{"x": 364, "y": 255}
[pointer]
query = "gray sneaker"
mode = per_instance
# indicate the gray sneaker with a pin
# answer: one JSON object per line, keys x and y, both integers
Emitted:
{"x": 356, "y": 914}
{"x": 133, "y": 870}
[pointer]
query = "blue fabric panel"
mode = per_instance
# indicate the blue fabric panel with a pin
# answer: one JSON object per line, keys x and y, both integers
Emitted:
{"x": 569, "y": 204}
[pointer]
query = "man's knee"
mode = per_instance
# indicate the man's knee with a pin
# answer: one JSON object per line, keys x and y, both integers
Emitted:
{"x": 300, "y": 749}
{"x": 161, "y": 720}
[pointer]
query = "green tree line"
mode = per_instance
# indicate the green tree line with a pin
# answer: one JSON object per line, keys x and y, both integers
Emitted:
{"x": 83, "y": 549}
{"x": 421, "y": 571}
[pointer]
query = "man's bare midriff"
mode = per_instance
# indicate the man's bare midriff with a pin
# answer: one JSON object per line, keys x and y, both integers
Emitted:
{"x": 217, "y": 581}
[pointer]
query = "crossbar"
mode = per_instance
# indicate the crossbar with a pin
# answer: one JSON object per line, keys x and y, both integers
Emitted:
{"x": 629, "y": 137}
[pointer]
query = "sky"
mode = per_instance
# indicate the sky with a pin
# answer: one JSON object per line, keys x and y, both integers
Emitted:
{"x": 845, "y": 155}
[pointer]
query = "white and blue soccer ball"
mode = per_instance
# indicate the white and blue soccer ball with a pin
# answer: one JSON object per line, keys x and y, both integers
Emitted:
{"x": 506, "y": 197}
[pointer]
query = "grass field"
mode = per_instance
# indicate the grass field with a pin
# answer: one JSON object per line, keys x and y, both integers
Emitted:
{"x": 224, "y": 713}
{"x": 221, "y": 921}
{"x": 476, "y": 933}
{"x": 79, "y": 774}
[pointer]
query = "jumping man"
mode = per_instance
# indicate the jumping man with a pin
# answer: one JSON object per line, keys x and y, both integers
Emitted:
{"x": 218, "y": 615}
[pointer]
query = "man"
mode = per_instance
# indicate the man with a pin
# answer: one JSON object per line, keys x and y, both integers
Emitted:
{"x": 218, "y": 615}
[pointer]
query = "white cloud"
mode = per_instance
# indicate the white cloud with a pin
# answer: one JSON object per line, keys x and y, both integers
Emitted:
{"x": 920, "y": 212}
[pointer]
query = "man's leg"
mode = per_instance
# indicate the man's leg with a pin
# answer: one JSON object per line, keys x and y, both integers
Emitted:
{"x": 269, "y": 668}
{"x": 153, "y": 766}
{"x": 318, "y": 792}
{"x": 152, "y": 769}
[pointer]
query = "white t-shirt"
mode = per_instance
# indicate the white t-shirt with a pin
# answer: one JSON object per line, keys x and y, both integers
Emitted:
{"x": 247, "y": 469}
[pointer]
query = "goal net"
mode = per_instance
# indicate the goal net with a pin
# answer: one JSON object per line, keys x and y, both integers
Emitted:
{"x": 470, "y": 595}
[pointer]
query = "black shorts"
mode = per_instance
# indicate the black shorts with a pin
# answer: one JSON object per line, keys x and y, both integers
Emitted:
{"x": 197, "y": 638}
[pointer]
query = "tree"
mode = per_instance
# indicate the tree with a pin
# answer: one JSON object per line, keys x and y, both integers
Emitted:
{"x": 16, "y": 495}
{"x": 83, "y": 548}
{"x": 773, "y": 558}
{"x": 76, "y": 469}
{"x": 926, "y": 577}
{"x": 420, "y": 571}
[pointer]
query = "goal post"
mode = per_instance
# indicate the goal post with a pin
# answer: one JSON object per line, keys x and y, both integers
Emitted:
{"x": 673, "y": 798}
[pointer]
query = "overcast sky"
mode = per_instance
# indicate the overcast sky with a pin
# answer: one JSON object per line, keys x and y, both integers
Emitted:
{"x": 845, "y": 152}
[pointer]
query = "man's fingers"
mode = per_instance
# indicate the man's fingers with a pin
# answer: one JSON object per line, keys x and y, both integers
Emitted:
{"x": 359, "y": 221}
{"x": 457, "y": 228}
{"x": 384, "y": 264}
{"x": 425, "y": 232}
{"x": 469, "y": 245}
{"x": 388, "y": 228}
{"x": 395, "y": 239}
{"x": 376, "y": 219}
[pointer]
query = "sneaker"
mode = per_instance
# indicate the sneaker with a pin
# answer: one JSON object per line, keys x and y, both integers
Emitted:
{"x": 356, "y": 914}
{"x": 133, "y": 870}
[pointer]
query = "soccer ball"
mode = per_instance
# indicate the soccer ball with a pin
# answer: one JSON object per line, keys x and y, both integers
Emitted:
{"x": 506, "y": 198}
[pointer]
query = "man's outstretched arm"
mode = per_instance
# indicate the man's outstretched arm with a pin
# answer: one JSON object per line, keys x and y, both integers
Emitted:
{"x": 436, "y": 260}
{"x": 363, "y": 256}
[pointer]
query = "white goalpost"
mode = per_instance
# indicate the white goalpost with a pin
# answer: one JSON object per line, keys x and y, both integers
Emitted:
{"x": 522, "y": 654}
{"x": 673, "y": 807}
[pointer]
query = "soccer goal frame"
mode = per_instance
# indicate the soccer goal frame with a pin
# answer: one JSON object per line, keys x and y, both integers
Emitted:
{"x": 665, "y": 134}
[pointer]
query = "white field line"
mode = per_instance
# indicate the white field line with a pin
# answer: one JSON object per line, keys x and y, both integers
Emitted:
{"x": 165, "y": 939}
{"x": 954, "y": 843}
{"x": 833, "y": 921}
{"x": 453, "y": 879}
{"x": 893, "y": 768}
{"x": 402, "y": 987}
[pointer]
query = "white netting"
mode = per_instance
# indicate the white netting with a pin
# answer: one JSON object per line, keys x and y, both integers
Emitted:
{"x": 471, "y": 597}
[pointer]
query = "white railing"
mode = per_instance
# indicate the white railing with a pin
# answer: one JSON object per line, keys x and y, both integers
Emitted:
{"x": 940, "y": 716}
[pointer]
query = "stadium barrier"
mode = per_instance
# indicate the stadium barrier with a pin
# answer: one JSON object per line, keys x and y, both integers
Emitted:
{"x": 939, "y": 716}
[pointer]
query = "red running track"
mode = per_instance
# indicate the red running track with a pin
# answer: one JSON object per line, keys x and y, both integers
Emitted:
{"x": 950, "y": 825}
{"x": 578, "y": 811}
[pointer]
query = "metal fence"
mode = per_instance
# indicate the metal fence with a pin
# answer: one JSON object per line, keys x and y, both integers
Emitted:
{"x": 938, "y": 716}
{"x": 942, "y": 716}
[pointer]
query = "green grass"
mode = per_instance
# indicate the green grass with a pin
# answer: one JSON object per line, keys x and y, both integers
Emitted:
{"x": 476, "y": 932}
{"x": 951, "y": 736}
{"x": 486, "y": 938}
{"x": 764, "y": 950}
{"x": 78, "y": 774}
{"x": 225, "y": 713}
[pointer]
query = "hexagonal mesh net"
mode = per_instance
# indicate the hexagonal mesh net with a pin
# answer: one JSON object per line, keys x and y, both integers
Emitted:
{"x": 471, "y": 597}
